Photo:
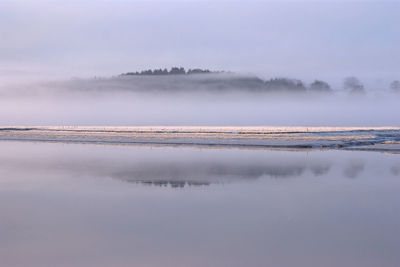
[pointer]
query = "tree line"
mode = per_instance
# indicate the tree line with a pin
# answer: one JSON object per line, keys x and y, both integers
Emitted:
{"x": 172, "y": 71}
{"x": 351, "y": 84}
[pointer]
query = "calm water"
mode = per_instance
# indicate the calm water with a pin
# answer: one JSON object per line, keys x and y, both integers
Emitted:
{"x": 95, "y": 205}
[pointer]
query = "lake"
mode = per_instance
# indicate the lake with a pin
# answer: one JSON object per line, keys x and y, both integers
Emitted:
{"x": 140, "y": 205}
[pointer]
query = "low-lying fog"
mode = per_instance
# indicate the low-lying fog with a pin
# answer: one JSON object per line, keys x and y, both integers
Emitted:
{"x": 191, "y": 100}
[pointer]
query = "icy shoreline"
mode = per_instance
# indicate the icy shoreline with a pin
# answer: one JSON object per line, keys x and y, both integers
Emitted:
{"x": 364, "y": 138}
{"x": 195, "y": 129}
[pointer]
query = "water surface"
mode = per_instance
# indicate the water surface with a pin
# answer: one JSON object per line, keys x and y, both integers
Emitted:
{"x": 110, "y": 205}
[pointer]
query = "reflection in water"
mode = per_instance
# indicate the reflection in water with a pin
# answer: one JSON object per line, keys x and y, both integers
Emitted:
{"x": 204, "y": 173}
{"x": 166, "y": 183}
{"x": 320, "y": 169}
{"x": 353, "y": 169}
{"x": 395, "y": 170}
{"x": 174, "y": 167}
{"x": 86, "y": 205}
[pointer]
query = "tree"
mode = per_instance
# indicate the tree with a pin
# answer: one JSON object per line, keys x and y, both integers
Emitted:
{"x": 175, "y": 70}
{"x": 157, "y": 72}
{"x": 283, "y": 84}
{"x": 197, "y": 71}
{"x": 320, "y": 87}
{"x": 146, "y": 72}
{"x": 353, "y": 85}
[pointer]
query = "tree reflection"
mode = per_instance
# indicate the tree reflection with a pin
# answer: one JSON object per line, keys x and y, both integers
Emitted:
{"x": 353, "y": 169}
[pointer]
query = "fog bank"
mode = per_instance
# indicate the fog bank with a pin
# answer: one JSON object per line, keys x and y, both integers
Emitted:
{"x": 150, "y": 101}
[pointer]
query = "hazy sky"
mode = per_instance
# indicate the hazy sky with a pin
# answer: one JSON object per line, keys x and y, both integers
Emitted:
{"x": 326, "y": 39}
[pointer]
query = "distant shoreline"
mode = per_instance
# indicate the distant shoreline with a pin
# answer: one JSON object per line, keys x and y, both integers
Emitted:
{"x": 350, "y": 138}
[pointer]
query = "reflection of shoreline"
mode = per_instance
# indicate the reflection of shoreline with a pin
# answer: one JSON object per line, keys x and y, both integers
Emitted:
{"x": 180, "y": 174}
{"x": 291, "y": 138}
{"x": 169, "y": 167}
{"x": 173, "y": 184}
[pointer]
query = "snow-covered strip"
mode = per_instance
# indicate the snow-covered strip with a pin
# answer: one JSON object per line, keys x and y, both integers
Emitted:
{"x": 202, "y": 129}
{"x": 277, "y": 137}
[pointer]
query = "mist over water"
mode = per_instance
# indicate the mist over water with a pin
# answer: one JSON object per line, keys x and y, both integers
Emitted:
{"x": 190, "y": 102}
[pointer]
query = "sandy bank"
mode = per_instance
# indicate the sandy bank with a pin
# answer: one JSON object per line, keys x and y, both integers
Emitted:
{"x": 285, "y": 137}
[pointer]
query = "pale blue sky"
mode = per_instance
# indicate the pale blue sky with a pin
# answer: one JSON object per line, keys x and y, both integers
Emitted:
{"x": 304, "y": 39}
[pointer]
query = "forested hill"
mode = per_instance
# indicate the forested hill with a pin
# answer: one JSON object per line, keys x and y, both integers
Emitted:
{"x": 177, "y": 79}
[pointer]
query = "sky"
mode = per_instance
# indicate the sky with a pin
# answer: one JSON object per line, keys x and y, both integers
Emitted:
{"x": 300, "y": 39}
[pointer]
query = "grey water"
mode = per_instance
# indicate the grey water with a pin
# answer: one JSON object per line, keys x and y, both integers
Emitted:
{"x": 118, "y": 205}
